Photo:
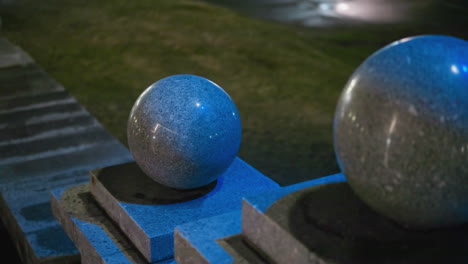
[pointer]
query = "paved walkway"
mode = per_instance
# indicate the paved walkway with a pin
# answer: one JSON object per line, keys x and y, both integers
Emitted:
{"x": 47, "y": 140}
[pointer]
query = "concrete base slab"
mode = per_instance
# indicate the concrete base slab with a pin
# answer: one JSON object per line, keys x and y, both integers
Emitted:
{"x": 96, "y": 236}
{"x": 330, "y": 224}
{"x": 265, "y": 233}
{"x": 151, "y": 226}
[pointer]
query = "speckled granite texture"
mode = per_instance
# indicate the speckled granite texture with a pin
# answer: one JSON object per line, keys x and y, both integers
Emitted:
{"x": 263, "y": 231}
{"x": 195, "y": 242}
{"x": 94, "y": 234}
{"x": 329, "y": 224}
{"x": 184, "y": 131}
{"x": 401, "y": 131}
{"x": 151, "y": 226}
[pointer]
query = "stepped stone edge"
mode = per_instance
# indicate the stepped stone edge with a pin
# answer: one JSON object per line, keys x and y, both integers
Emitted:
{"x": 136, "y": 235}
{"x": 254, "y": 221}
{"x": 63, "y": 217}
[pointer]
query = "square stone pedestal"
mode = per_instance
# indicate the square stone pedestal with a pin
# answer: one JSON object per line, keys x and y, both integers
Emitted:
{"x": 148, "y": 212}
{"x": 328, "y": 223}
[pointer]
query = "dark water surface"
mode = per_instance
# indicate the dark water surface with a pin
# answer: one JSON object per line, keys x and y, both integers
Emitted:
{"x": 324, "y": 13}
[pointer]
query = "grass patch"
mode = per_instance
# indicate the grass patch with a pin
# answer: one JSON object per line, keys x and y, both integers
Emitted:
{"x": 285, "y": 80}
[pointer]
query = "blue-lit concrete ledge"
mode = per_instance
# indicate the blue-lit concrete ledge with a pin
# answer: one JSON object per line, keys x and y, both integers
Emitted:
{"x": 151, "y": 227}
{"x": 266, "y": 199}
{"x": 98, "y": 240}
{"x": 207, "y": 240}
{"x": 25, "y": 210}
{"x": 195, "y": 242}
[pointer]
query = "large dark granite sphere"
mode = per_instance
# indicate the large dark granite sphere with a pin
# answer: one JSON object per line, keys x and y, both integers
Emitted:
{"x": 184, "y": 131}
{"x": 401, "y": 131}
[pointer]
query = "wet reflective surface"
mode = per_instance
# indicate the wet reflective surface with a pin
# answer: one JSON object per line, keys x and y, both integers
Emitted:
{"x": 401, "y": 131}
{"x": 320, "y": 13}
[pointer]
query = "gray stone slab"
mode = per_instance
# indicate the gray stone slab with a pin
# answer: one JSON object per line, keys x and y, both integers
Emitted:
{"x": 28, "y": 116}
{"x": 43, "y": 130}
{"x": 47, "y": 140}
{"x": 12, "y": 56}
{"x": 257, "y": 228}
{"x": 12, "y": 104}
{"x": 84, "y": 158}
{"x": 97, "y": 237}
{"x": 44, "y": 183}
{"x": 50, "y": 145}
{"x": 329, "y": 224}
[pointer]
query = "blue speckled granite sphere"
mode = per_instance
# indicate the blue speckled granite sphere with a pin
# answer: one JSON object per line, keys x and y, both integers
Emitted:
{"x": 401, "y": 131}
{"x": 184, "y": 131}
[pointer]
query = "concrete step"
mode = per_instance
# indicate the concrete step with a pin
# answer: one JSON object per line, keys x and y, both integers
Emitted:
{"x": 267, "y": 231}
{"x": 242, "y": 251}
{"x": 30, "y": 133}
{"x": 51, "y": 146}
{"x": 196, "y": 242}
{"x": 98, "y": 239}
{"x": 214, "y": 240}
{"x": 80, "y": 158}
{"x": 47, "y": 140}
{"x": 155, "y": 239}
{"x": 21, "y": 102}
{"x": 43, "y": 114}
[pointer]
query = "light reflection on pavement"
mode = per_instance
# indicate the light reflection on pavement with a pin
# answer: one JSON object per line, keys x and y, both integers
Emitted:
{"x": 318, "y": 13}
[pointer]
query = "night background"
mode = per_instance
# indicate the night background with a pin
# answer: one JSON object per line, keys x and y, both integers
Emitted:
{"x": 283, "y": 62}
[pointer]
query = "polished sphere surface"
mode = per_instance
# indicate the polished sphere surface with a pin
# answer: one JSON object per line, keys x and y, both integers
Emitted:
{"x": 184, "y": 131}
{"x": 401, "y": 131}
